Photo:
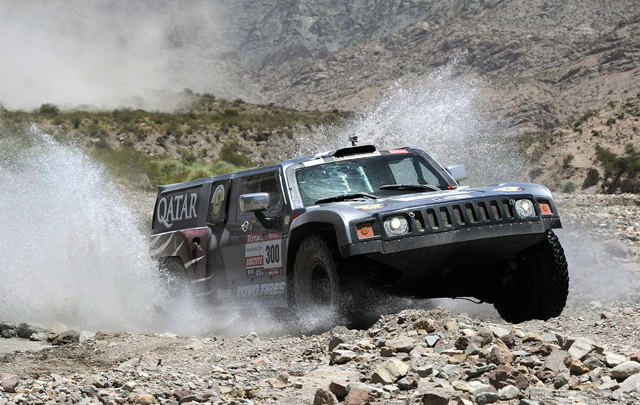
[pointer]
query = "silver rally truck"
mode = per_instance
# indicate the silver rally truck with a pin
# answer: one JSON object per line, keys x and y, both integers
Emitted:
{"x": 343, "y": 227}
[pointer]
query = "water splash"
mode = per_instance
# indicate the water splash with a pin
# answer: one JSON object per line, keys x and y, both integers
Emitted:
{"x": 70, "y": 250}
{"x": 443, "y": 114}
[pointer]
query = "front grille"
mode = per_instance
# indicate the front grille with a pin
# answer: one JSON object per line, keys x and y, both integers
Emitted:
{"x": 464, "y": 214}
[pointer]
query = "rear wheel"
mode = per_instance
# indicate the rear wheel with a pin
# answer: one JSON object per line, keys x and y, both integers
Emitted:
{"x": 537, "y": 283}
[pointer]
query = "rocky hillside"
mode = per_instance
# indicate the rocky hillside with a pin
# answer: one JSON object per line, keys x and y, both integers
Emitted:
{"x": 540, "y": 62}
{"x": 598, "y": 152}
{"x": 541, "y": 66}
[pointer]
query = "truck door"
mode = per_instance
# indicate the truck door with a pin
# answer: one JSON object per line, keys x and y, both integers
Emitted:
{"x": 253, "y": 255}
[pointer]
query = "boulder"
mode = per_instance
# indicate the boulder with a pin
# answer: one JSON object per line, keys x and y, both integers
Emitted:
{"x": 625, "y": 370}
{"x": 66, "y": 337}
{"x": 426, "y": 324}
{"x": 56, "y": 330}
{"x": 389, "y": 372}
{"x": 324, "y": 397}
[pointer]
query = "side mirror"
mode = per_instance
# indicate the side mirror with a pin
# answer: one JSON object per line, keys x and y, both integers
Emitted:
{"x": 253, "y": 202}
{"x": 458, "y": 172}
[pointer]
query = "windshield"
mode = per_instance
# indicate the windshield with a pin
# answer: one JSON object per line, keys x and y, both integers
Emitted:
{"x": 366, "y": 175}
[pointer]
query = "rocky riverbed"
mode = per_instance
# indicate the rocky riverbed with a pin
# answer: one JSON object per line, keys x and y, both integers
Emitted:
{"x": 451, "y": 353}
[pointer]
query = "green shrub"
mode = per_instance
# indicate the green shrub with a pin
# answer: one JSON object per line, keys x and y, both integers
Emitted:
{"x": 566, "y": 161}
{"x": 188, "y": 157}
{"x": 230, "y": 153}
{"x": 50, "y": 109}
{"x": 569, "y": 187}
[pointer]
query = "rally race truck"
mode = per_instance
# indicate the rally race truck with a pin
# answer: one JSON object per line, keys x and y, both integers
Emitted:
{"x": 343, "y": 227}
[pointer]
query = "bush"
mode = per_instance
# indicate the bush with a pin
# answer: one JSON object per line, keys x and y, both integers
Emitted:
{"x": 566, "y": 161}
{"x": 50, "y": 109}
{"x": 230, "y": 153}
{"x": 569, "y": 187}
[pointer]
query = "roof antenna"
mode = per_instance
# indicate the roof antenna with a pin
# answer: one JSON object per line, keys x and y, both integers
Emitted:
{"x": 354, "y": 140}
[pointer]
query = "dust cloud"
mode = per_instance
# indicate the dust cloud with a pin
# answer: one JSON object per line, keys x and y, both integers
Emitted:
{"x": 110, "y": 54}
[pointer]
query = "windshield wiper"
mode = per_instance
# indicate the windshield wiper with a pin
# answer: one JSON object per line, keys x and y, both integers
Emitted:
{"x": 345, "y": 197}
{"x": 410, "y": 187}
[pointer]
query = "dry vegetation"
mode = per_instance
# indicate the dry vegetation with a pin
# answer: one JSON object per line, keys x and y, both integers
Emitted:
{"x": 208, "y": 136}
{"x": 598, "y": 152}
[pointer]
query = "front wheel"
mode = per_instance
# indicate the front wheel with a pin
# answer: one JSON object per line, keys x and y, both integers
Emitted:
{"x": 316, "y": 284}
{"x": 316, "y": 273}
{"x": 537, "y": 283}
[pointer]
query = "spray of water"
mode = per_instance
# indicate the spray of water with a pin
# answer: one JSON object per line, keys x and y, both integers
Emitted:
{"x": 70, "y": 250}
{"x": 444, "y": 114}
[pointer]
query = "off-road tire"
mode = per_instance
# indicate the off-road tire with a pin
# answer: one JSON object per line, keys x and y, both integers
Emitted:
{"x": 538, "y": 286}
{"x": 315, "y": 273}
{"x": 173, "y": 275}
{"x": 323, "y": 280}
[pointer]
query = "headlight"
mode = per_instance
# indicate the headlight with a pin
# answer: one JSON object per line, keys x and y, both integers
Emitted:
{"x": 396, "y": 226}
{"x": 524, "y": 209}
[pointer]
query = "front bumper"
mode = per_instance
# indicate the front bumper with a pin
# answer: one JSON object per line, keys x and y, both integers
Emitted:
{"x": 470, "y": 234}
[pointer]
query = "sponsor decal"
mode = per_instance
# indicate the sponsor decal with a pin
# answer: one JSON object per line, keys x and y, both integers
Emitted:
{"x": 217, "y": 200}
{"x": 370, "y": 207}
{"x": 260, "y": 290}
{"x": 397, "y": 151}
{"x": 255, "y": 261}
{"x": 509, "y": 189}
{"x": 263, "y": 250}
{"x": 178, "y": 207}
{"x": 255, "y": 238}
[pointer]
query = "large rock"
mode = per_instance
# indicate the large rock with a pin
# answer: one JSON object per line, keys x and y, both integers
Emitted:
{"x": 144, "y": 399}
{"x": 435, "y": 397}
{"x": 324, "y": 397}
{"x": 577, "y": 367}
{"x": 8, "y": 330}
{"x": 341, "y": 356}
{"x": 614, "y": 359}
{"x": 505, "y": 375}
{"x": 625, "y": 370}
{"x": 509, "y": 392}
{"x": 580, "y": 348}
{"x": 631, "y": 384}
{"x": 426, "y": 324}
{"x": 357, "y": 397}
{"x": 25, "y": 330}
{"x": 337, "y": 339}
{"x": 56, "y": 330}
{"x": 9, "y": 384}
{"x": 390, "y": 372}
{"x": 558, "y": 361}
{"x": 500, "y": 355}
{"x": 402, "y": 344}
{"x": 66, "y": 337}
{"x": 150, "y": 360}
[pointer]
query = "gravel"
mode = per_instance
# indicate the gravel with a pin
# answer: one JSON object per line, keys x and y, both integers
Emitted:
{"x": 452, "y": 353}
